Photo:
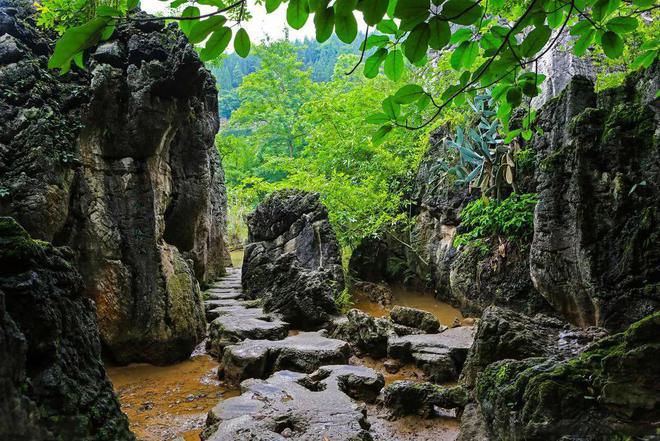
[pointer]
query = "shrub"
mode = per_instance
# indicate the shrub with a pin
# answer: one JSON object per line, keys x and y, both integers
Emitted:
{"x": 511, "y": 219}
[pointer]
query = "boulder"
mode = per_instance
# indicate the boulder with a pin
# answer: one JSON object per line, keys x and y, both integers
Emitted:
{"x": 592, "y": 256}
{"x": 291, "y": 405}
{"x": 52, "y": 380}
{"x": 610, "y": 391}
{"x": 415, "y": 318}
{"x": 366, "y": 334}
{"x": 375, "y": 292}
{"x": 118, "y": 162}
{"x": 408, "y": 397}
{"x": 304, "y": 352}
{"x": 441, "y": 356}
{"x": 293, "y": 260}
{"x": 506, "y": 334}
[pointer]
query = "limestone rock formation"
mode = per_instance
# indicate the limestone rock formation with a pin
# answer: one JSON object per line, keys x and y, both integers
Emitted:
{"x": 52, "y": 381}
{"x": 610, "y": 391}
{"x": 293, "y": 259}
{"x": 415, "y": 318}
{"x": 296, "y": 406}
{"x": 594, "y": 255}
{"x": 118, "y": 162}
{"x": 506, "y": 334}
{"x": 366, "y": 334}
{"x": 407, "y": 397}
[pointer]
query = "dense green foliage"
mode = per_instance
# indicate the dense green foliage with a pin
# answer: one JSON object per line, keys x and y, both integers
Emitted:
{"x": 488, "y": 220}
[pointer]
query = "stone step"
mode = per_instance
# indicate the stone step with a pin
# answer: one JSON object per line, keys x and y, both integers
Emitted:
{"x": 230, "y": 294}
{"x": 304, "y": 352}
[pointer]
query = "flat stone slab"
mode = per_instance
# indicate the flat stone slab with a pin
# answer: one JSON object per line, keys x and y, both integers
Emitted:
{"x": 295, "y": 406}
{"x": 234, "y": 321}
{"x": 441, "y": 356}
{"x": 221, "y": 294}
{"x": 304, "y": 352}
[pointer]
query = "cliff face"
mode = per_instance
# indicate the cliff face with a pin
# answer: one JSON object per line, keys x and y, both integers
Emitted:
{"x": 118, "y": 162}
{"x": 52, "y": 380}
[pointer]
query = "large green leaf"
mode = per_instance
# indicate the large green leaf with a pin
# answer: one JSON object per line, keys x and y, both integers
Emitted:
{"x": 417, "y": 42}
{"x": 535, "y": 41}
{"x": 394, "y": 65}
{"x": 216, "y": 44}
{"x": 187, "y": 25}
{"x": 272, "y": 5}
{"x": 324, "y": 22}
{"x": 391, "y": 108}
{"x": 376, "y": 41}
{"x": 584, "y": 42}
{"x": 409, "y": 94}
{"x": 387, "y": 27}
{"x": 242, "y": 43}
{"x": 622, "y": 25}
{"x": 514, "y": 96}
{"x": 464, "y": 55}
{"x": 373, "y": 62}
{"x": 76, "y": 40}
{"x": 201, "y": 29}
{"x": 374, "y": 11}
{"x": 440, "y": 33}
{"x": 412, "y": 11}
{"x": 612, "y": 44}
{"x": 381, "y": 133}
{"x": 464, "y": 12}
{"x": 297, "y": 13}
{"x": 346, "y": 27}
{"x": 345, "y": 6}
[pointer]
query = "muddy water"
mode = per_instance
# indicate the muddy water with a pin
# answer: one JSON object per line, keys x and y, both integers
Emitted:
{"x": 407, "y": 297}
{"x": 165, "y": 402}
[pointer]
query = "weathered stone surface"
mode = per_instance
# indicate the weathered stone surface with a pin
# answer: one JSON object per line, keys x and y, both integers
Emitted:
{"x": 118, "y": 162}
{"x": 376, "y": 292}
{"x": 441, "y": 356}
{"x": 610, "y": 391}
{"x": 409, "y": 397}
{"x": 366, "y": 334}
{"x": 594, "y": 255}
{"x": 304, "y": 352}
{"x": 473, "y": 425}
{"x": 506, "y": 334}
{"x": 52, "y": 381}
{"x": 313, "y": 407}
{"x": 293, "y": 259}
{"x": 415, "y": 318}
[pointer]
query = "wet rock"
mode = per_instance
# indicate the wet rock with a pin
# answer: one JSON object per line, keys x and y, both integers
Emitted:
{"x": 52, "y": 380}
{"x": 409, "y": 397}
{"x": 304, "y": 352}
{"x": 301, "y": 407}
{"x": 10, "y": 52}
{"x": 375, "y": 292}
{"x": 473, "y": 425}
{"x": 238, "y": 321}
{"x": 598, "y": 202}
{"x": 441, "y": 356}
{"x": 293, "y": 259}
{"x": 610, "y": 391}
{"x": 367, "y": 334}
{"x": 119, "y": 163}
{"x": 392, "y": 366}
{"x": 506, "y": 334}
{"x": 415, "y": 318}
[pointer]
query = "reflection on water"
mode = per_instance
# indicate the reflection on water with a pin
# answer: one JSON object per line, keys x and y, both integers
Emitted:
{"x": 405, "y": 296}
{"x": 163, "y": 402}
{"x": 237, "y": 258}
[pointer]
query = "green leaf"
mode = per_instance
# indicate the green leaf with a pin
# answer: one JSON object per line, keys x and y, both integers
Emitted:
{"x": 644, "y": 60}
{"x": 297, "y": 13}
{"x": 643, "y": 3}
{"x": 346, "y": 27}
{"x": 603, "y": 8}
{"x": 216, "y": 44}
{"x": 460, "y": 35}
{"x": 108, "y": 31}
{"x": 75, "y": 40}
{"x": 612, "y": 44}
{"x": 555, "y": 14}
{"x": 132, "y": 4}
{"x": 440, "y": 33}
{"x": 387, "y": 27}
{"x": 201, "y": 29}
{"x": 324, "y": 23}
{"x": 584, "y": 42}
{"x": 108, "y": 11}
{"x": 272, "y": 5}
{"x": 535, "y": 41}
{"x": 394, "y": 65}
{"x": 373, "y": 62}
{"x": 377, "y": 118}
{"x": 464, "y": 55}
{"x": 622, "y": 25}
{"x": 242, "y": 43}
{"x": 581, "y": 28}
{"x": 514, "y": 96}
{"x": 464, "y": 12}
{"x": 417, "y": 42}
{"x": 412, "y": 9}
{"x": 186, "y": 25}
{"x": 409, "y": 94}
{"x": 317, "y": 5}
{"x": 374, "y": 11}
{"x": 376, "y": 41}
{"x": 391, "y": 108}
{"x": 345, "y": 7}
{"x": 381, "y": 133}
